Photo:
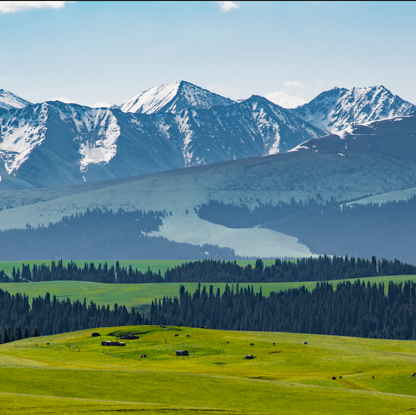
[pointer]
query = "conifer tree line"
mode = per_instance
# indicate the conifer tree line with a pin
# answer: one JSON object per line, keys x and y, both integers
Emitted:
{"x": 50, "y": 316}
{"x": 322, "y": 268}
{"x": 353, "y": 309}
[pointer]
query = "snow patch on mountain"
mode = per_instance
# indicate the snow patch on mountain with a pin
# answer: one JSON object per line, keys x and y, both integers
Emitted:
{"x": 10, "y": 101}
{"x": 256, "y": 242}
{"x": 105, "y": 148}
{"x": 340, "y": 108}
{"x": 173, "y": 98}
{"x": 20, "y": 135}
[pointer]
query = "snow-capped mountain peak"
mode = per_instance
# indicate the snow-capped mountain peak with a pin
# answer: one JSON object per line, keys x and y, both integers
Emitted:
{"x": 173, "y": 98}
{"x": 10, "y": 101}
{"x": 338, "y": 108}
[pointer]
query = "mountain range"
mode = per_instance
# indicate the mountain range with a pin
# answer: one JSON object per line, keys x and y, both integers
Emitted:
{"x": 165, "y": 128}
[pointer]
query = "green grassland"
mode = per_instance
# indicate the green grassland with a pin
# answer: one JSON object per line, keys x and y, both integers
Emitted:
{"x": 72, "y": 373}
{"x": 141, "y": 265}
{"x": 141, "y": 295}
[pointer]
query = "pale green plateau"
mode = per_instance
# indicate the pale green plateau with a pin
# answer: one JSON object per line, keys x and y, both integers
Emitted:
{"x": 73, "y": 374}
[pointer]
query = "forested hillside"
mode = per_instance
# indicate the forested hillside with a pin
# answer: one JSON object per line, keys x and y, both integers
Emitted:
{"x": 351, "y": 310}
{"x": 386, "y": 231}
{"x": 98, "y": 234}
{"x": 19, "y": 318}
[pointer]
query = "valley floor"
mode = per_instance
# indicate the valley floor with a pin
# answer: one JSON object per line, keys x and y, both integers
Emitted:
{"x": 73, "y": 374}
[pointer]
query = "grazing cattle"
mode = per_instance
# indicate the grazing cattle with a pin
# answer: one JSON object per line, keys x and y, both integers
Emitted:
{"x": 176, "y": 335}
{"x": 340, "y": 377}
{"x": 251, "y": 344}
{"x": 274, "y": 344}
{"x": 373, "y": 377}
{"x": 143, "y": 355}
{"x": 227, "y": 342}
{"x": 414, "y": 374}
{"x": 334, "y": 378}
{"x": 188, "y": 335}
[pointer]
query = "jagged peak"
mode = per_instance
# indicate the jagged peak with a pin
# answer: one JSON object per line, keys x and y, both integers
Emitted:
{"x": 173, "y": 98}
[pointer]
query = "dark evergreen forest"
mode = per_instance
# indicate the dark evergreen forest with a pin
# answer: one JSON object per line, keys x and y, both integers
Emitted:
{"x": 98, "y": 234}
{"x": 357, "y": 310}
{"x": 322, "y": 268}
{"x": 50, "y": 316}
{"x": 386, "y": 231}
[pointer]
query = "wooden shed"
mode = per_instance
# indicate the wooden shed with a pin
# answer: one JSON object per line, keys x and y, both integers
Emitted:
{"x": 182, "y": 353}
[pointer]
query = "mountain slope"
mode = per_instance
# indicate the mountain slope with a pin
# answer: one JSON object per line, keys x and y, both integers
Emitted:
{"x": 373, "y": 159}
{"x": 10, "y": 101}
{"x": 56, "y": 143}
{"x": 340, "y": 108}
{"x": 173, "y": 98}
{"x": 347, "y": 166}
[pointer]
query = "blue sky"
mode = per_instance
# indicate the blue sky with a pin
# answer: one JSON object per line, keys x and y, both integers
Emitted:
{"x": 92, "y": 52}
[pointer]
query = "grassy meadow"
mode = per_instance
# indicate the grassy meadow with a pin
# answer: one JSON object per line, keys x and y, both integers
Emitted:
{"x": 72, "y": 373}
{"x": 141, "y": 295}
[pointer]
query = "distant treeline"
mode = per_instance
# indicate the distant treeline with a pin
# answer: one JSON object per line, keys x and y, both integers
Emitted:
{"x": 322, "y": 268}
{"x": 386, "y": 231}
{"x": 357, "y": 309}
{"x": 50, "y": 316}
{"x": 102, "y": 234}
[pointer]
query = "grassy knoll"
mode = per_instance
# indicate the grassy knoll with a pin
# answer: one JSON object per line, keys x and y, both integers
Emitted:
{"x": 72, "y": 373}
{"x": 141, "y": 265}
{"x": 141, "y": 295}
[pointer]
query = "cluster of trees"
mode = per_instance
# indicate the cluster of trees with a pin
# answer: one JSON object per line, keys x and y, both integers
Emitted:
{"x": 322, "y": 268}
{"x": 387, "y": 231}
{"x": 99, "y": 234}
{"x": 356, "y": 309}
{"x": 50, "y": 316}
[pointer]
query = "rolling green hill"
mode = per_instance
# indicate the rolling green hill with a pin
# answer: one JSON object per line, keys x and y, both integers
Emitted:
{"x": 72, "y": 373}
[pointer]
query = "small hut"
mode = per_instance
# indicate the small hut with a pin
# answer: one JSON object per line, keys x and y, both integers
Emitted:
{"x": 111, "y": 343}
{"x": 182, "y": 353}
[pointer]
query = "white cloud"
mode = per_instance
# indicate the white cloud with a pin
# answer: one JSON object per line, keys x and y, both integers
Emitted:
{"x": 285, "y": 100}
{"x": 3, "y": 78}
{"x": 17, "y": 6}
{"x": 221, "y": 90}
{"x": 101, "y": 105}
{"x": 226, "y": 6}
{"x": 294, "y": 84}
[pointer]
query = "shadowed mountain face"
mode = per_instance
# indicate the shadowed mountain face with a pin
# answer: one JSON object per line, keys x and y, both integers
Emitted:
{"x": 55, "y": 143}
{"x": 341, "y": 108}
